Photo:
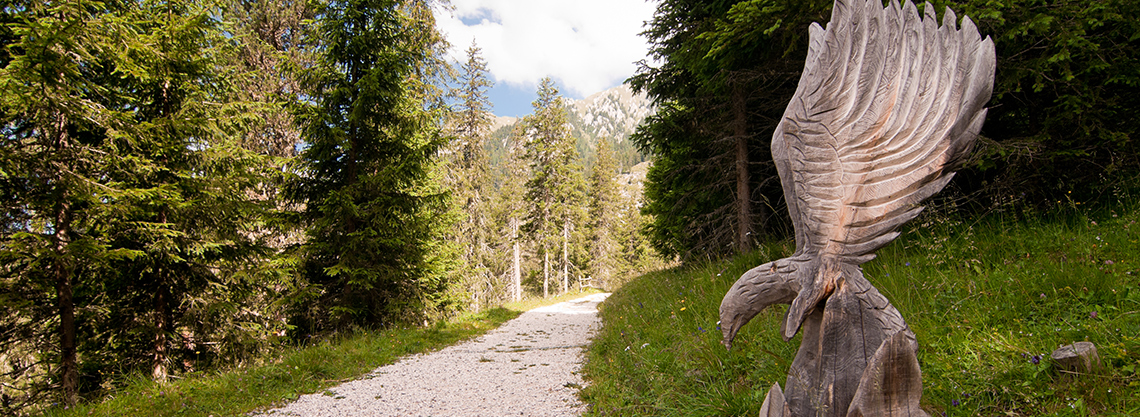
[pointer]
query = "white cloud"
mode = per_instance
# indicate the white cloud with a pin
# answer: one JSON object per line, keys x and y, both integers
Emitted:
{"x": 586, "y": 45}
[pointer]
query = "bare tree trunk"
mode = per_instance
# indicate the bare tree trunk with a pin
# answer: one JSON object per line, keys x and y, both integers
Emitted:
{"x": 517, "y": 274}
{"x": 565, "y": 241}
{"x": 516, "y": 271}
{"x": 545, "y": 273}
{"x": 161, "y": 327}
{"x": 161, "y": 320}
{"x": 743, "y": 188}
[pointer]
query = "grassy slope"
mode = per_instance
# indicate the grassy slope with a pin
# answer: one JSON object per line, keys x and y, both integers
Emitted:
{"x": 984, "y": 299}
{"x": 296, "y": 371}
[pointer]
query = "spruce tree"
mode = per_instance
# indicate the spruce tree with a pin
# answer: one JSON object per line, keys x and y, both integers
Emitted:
{"x": 554, "y": 187}
{"x": 727, "y": 70}
{"x": 373, "y": 211}
{"x": 604, "y": 207}
{"x": 51, "y": 147}
{"x": 510, "y": 211}
{"x": 129, "y": 196}
{"x": 468, "y": 176}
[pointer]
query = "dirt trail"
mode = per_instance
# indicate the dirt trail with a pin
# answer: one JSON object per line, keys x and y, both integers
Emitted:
{"x": 527, "y": 367}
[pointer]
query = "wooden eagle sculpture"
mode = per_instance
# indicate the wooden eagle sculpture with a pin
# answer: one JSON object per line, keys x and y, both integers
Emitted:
{"x": 888, "y": 106}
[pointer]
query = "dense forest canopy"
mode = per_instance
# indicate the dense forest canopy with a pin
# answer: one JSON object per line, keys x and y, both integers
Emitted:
{"x": 1058, "y": 130}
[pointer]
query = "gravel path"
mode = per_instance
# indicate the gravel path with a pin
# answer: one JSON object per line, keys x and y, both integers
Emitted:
{"x": 527, "y": 367}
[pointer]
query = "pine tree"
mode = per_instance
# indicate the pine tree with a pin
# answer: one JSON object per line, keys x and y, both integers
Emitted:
{"x": 128, "y": 189}
{"x": 48, "y": 150}
{"x": 554, "y": 187}
{"x": 469, "y": 178}
{"x": 188, "y": 212}
{"x": 727, "y": 71}
{"x": 374, "y": 214}
{"x": 510, "y": 211}
{"x": 605, "y": 207}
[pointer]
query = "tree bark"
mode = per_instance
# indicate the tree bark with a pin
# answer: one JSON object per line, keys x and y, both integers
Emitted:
{"x": 565, "y": 241}
{"x": 65, "y": 303}
{"x": 743, "y": 188}
{"x": 161, "y": 327}
{"x": 516, "y": 271}
{"x": 545, "y": 273}
{"x": 161, "y": 320}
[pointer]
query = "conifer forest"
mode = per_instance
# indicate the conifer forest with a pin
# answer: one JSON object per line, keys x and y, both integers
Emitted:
{"x": 191, "y": 184}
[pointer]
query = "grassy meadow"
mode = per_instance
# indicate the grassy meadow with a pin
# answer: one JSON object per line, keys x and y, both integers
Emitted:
{"x": 294, "y": 371}
{"x": 987, "y": 299}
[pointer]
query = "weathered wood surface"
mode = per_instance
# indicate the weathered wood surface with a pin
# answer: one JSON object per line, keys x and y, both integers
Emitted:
{"x": 774, "y": 404}
{"x": 892, "y": 383}
{"x": 889, "y": 104}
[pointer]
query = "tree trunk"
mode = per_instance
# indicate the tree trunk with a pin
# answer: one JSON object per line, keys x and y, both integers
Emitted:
{"x": 545, "y": 273}
{"x": 69, "y": 366}
{"x": 565, "y": 241}
{"x": 743, "y": 188}
{"x": 515, "y": 269}
{"x": 65, "y": 302}
{"x": 161, "y": 328}
{"x": 161, "y": 320}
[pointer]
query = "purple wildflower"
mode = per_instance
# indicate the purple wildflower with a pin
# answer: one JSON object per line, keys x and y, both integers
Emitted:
{"x": 954, "y": 402}
{"x": 1092, "y": 315}
{"x": 1036, "y": 359}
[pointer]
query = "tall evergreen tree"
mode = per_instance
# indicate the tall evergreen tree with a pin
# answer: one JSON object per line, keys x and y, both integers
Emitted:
{"x": 605, "y": 208}
{"x": 128, "y": 188}
{"x": 469, "y": 178}
{"x": 189, "y": 184}
{"x": 51, "y": 140}
{"x": 375, "y": 215}
{"x": 510, "y": 211}
{"x": 727, "y": 71}
{"x": 554, "y": 185}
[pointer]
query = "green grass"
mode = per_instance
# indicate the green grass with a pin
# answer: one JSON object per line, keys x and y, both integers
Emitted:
{"x": 296, "y": 371}
{"x": 983, "y": 298}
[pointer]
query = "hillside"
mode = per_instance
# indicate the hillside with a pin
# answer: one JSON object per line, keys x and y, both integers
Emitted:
{"x": 614, "y": 113}
{"x": 988, "y": 299}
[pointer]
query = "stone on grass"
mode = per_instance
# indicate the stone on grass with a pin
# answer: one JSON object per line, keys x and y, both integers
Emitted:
{"x": 1080, "y": 357}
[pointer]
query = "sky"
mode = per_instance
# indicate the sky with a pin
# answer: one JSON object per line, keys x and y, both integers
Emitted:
{"x": 586, "y": 46}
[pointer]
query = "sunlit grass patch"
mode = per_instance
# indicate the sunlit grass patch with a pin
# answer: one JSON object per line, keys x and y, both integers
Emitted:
{"x": 988, "y": 300}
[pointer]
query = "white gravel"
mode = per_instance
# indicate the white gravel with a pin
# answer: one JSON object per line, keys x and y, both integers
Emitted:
{"x": 527, "y": 367}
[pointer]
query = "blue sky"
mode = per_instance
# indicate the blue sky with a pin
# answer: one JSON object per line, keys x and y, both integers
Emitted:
{"x": 585, "y": 45}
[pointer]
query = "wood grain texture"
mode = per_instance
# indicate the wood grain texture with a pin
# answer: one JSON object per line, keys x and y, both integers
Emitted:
{"x": 889, "y": 105}
{"x": 774, "y": 403}
{"x": 892, "y": 383}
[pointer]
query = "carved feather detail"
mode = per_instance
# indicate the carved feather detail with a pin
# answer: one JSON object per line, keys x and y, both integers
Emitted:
{"x": 887, "y": 107}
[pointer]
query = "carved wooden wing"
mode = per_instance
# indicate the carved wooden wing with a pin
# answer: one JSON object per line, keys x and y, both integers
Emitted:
{"x": 888, "y": 105}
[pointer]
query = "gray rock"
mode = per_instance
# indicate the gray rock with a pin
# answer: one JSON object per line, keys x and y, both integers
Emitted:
{"x": 1080, "y": 357}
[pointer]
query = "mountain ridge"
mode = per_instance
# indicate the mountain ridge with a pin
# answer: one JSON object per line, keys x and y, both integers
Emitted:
{"x": 612, "y": 114}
